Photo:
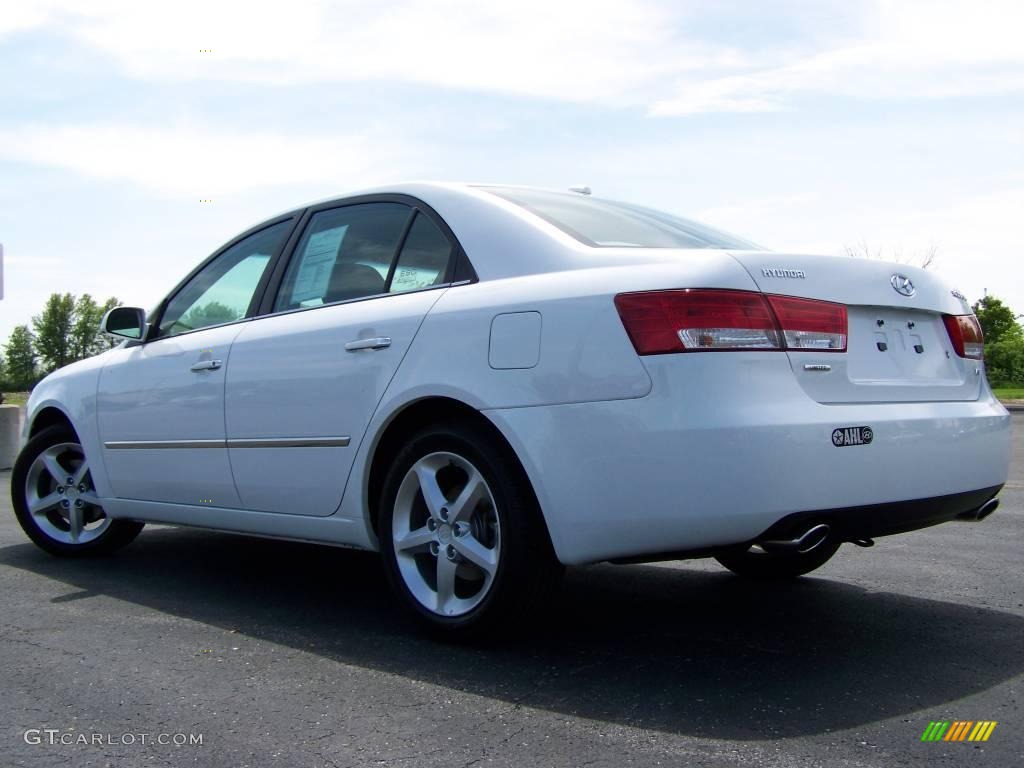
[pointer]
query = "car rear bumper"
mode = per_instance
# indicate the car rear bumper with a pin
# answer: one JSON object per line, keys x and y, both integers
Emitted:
{"x": 723, "y": 450}
{"x": 872, "y": 520}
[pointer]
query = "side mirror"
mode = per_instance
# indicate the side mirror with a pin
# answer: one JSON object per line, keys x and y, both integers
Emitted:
{"x": 125, "y": 323}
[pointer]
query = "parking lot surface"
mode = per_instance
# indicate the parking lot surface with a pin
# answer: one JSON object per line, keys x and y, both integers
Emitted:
{"x": 282, "y": 654}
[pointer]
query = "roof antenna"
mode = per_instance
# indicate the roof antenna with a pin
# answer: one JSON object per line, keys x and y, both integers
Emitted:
{"x": 582, "y": 189}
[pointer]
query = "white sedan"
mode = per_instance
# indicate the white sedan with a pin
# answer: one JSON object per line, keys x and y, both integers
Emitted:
{"x": 487, "y": 383}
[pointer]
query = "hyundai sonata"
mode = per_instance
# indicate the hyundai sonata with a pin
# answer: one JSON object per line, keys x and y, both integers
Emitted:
{"x": 487, "y": 383}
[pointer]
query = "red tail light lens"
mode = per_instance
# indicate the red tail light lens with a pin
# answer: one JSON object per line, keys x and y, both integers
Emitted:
{"x": 819, "y": 326}
{"x": 965, "y": 333}
{"x": 691, "y": 320}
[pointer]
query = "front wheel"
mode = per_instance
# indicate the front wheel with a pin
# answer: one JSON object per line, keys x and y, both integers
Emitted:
{"x": 55, "y": 501}
{"x": 462, "y": 537}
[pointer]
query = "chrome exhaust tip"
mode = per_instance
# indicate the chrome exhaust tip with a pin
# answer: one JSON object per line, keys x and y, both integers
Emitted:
{"x": 987, "y": 509}
{"x": 811, "y": 539}
{"x": 979, "y": 514}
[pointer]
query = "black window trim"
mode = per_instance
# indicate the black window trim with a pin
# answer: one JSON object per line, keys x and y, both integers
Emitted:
{"x": 156, "y": 316}
{"x": 458, "y": 272}
{"x": 398, "y": 251}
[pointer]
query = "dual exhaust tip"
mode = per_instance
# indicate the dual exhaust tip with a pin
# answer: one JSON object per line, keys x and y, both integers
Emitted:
{"x": 818, "y": 534}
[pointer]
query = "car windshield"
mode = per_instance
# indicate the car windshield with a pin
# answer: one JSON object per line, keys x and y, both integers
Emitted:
{"x": 607, "y": 224}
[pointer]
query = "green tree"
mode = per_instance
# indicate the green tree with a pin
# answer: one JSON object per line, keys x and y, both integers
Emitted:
{"x": 20, "y": 358}
{"x": 998, "y": 321}
{"x": 53, "y": 329}
{"x": 1004, "y": 362}
{"x": 83, "y": 332}
{"x": 86, "y": 339}
{"x": 68, "y": 329}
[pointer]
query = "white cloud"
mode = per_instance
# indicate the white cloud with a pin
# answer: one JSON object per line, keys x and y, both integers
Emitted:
{"x": 189, "y": 160}
{"x": 607, "y": 51}
{"x": 580, "y": 50}
{"x": 911, "y": 49}
{"x": 17, "y": 17}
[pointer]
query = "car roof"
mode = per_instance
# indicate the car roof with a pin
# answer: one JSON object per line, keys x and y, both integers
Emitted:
{"x": 501, "y": 238}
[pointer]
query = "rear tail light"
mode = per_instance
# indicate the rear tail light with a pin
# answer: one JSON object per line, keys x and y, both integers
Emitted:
{"x": 709, "y": 320}
{"x": 679, "y": 321}
{"x": 808, "y": 324}
{"x": 965, "y": 333}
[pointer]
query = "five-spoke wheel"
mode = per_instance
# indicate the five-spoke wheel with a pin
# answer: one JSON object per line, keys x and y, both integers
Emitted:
{"x": 447, "y": 534}
{"x": 55, "y": 500}
{"x": 462, "y": 537}
{"x": 60, "y": 495}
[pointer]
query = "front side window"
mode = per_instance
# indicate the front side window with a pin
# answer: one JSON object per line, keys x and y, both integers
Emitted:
{"x": 224, "y": 289}
{"x": 345, "y": 253}
{"x": 424, "y": 259}
{"x": 606, "y": 223}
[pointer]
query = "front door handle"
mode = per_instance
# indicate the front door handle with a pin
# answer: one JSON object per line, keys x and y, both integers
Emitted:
{"x": 379, "y": 342}
{"x": 206, "y": 365}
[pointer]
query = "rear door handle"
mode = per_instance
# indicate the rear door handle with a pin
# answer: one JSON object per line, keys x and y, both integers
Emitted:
{"x": 206, "y": 365}
{"x": 379, "y": 342}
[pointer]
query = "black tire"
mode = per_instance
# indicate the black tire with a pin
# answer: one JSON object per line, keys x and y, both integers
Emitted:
{"x": 754, "y": 564}
{"x": 115, "y": 535}
{"x": 527, "y": 570}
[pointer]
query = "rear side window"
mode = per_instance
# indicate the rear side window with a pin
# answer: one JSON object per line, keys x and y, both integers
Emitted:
{"x": 345, "y": 253}
{"x": 606, "y": 223}
{"x": 424, "y": 259}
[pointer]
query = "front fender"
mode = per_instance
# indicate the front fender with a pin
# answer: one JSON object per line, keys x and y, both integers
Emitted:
{"x": 72, "y": 391}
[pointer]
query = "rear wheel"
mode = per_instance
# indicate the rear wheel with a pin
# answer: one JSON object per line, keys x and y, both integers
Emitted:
{"x": 55, "y": 501}
{"x": 462, "y": 537}
{"x": 757, "y": 563}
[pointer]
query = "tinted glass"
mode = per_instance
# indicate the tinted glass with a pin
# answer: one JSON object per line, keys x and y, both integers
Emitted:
{"x": 345, "y": 253}
{"x": 221, "y": 293}
{"x": 424, "y": 258}
{"x": 606, "y": 223}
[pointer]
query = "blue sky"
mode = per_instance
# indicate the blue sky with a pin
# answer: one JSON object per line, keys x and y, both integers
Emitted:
{"x": 805, "y": 126}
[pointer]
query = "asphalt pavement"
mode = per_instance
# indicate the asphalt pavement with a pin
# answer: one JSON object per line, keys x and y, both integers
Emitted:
{"x": 281, "y": 654}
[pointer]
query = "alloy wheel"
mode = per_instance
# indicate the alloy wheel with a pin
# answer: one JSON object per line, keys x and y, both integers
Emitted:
{"x": 61, "y": 498}
{"x": 446, "y": 534}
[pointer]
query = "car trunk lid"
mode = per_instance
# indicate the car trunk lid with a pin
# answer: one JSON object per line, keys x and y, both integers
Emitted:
{"x": 898, "y": 348}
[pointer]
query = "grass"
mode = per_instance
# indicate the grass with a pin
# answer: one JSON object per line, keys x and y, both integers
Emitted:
{"x": 1009, "y": 393}
{"x": 15, "y": 398}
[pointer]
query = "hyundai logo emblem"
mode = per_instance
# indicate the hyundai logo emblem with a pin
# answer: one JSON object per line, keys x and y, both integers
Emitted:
{"x": 902, "y": 285}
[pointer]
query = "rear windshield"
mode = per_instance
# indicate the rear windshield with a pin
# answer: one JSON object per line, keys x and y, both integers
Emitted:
{"x": 605, "y": 223}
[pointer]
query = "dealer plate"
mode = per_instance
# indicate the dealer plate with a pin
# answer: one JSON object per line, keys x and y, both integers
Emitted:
{"x": 845, "y": 436}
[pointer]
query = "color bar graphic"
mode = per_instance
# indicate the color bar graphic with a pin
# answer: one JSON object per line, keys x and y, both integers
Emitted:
{"x": 958, "y": 730}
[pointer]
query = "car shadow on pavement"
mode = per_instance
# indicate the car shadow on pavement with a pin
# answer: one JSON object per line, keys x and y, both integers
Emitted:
{"x": 686, "y": 652}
